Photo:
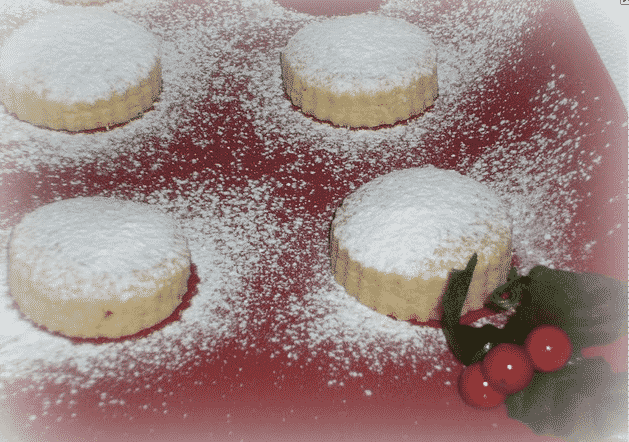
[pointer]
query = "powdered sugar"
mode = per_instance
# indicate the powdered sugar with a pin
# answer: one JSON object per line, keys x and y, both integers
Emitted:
{"x": 465, "y": 56}
{"x": 254, "y": 184}
{"x": 190, "y": 55}
{"x": 214, "y": 314}
{"x": 395, "y": 223}
{"x": 99, "y": 242}
{"x": 361, "y": 53}
{"x": 78, "y": 54}
{"x": 15, "y": 14}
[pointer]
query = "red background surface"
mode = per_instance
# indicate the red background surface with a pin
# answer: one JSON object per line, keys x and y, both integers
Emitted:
{"x": 263, "y": 398}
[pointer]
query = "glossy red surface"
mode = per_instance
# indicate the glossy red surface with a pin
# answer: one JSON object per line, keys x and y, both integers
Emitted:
{"x": 548, "y": 347}
{"x": 508, "y": 368}
{"x": 236, "y": 394}
{"x": 475, "y": 389}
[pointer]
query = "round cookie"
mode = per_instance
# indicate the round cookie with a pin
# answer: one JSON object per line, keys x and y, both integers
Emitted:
{"x": 79, "y": 68}
{"x": 97, "y": 267}
{"x": 360, "y": 70}
{"x": 394, "y": 241}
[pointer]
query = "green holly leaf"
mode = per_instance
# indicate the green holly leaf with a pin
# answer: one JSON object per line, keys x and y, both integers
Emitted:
{"x": 584, "y": 401}
{"x": 590, "y": 308}
{"x": 468, "y": 344}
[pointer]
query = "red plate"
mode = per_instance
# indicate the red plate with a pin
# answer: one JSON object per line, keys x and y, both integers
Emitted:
{"x": 266, "y": 346}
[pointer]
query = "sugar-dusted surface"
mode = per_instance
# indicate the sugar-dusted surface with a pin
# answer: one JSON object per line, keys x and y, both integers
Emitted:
{"x": 15, "y": 14}
{"x": 395, "y": 223}
{"x": 226, "y": 153}
{"x": 77, "y": 55}
{"x": 191, "y": 48}
{"x": 88, "y": 239}
{"x": 361, "y": 53}
{"x": 209, "y": 317}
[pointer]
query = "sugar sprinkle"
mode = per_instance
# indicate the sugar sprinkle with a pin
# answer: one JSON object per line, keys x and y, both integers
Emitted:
{"x": 202, "y": 60}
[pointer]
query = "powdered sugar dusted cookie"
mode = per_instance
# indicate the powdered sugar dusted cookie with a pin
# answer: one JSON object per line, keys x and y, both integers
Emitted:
{"x": 97, "y": 267}
{"x": 79, "y": 68}
{"x": 394, "y": 241}
{"x": 361, "y": 70}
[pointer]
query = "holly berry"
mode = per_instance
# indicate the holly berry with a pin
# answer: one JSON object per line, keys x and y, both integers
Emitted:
{"x": 476, "y": 391}
{"x": 507, "y": 368}
{"x": 549, "y": 348}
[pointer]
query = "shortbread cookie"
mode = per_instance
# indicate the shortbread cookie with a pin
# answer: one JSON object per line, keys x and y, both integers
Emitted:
{"x": 97, "y": 267}
{"x": 361, "y": 70}
{"x": 394, "y": 241}
{"x": 79, "y": 68}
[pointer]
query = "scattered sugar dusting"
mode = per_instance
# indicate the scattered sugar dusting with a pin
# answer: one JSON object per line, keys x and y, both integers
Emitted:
{"x": 78, "y": 55}
{"x": 543, "y": 200}
{"x": 360, "y": 53}
{"x": 465, "y": 55}
{"x": 272, "y": 229}
{"x": 431, "y": 207}
{"x": 15, "y": 14}
{"x": 190, "y": 55}
{"x": 84, "y": 237}
{"x": 213, "y": 315}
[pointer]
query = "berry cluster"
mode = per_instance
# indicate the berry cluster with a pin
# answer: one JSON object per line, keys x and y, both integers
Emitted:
{"x": 508, "y": 368}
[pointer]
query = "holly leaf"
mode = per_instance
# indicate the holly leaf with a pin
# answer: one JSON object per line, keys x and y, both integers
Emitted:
{"x": 584, "y": 401}
{"x": 590, "y": 308}
{"x": 468, "y": 344}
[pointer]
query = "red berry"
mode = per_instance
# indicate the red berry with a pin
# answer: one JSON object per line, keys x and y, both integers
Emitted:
{"x": 476, "y": 391}
{"x": 549, "y": 348}
{"x": 507, "y": 368}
